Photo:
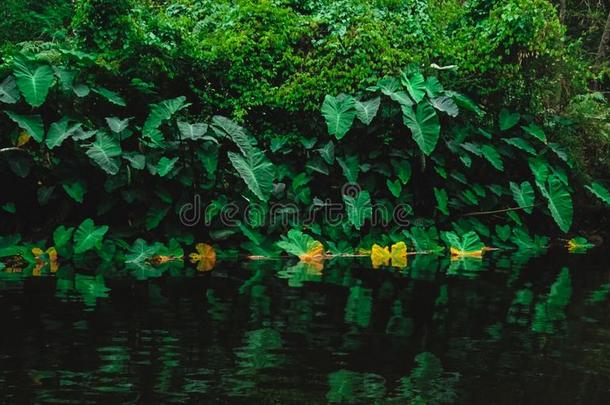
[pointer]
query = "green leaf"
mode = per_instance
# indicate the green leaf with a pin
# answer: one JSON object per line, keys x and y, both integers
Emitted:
{"x": 508, "y": 119}
{"x": 8, "y": 91}
{"x": 76, "y": 190}
{"x": 256, "y": 171}
{"x": 503, "y": 232}
{"x": 358, "y": 208}
{"x": 109, "y": 95}
{"x": 117, "y": 125}
{"x": 81, "y": 90}
{"x": 523, "y": 195}
{"x": 9, "y": 207}
{"x": 32, "y": 124}
{"x": 140, "y": 252}
{"x": 424, "y": 125}
{"x": 225, "y": 127}
{"x": 62, "y": 236}
{"x": 535, "y": 131}
{"x": 165, "y": 165}
{"x": 598, "y": 190}
{"x": 442, "y": 200}
{"x": 34, "y": 83}
{"x": 446, "y": 105}
{"x": 162, "y": 112}
{"x": 339, "y": 113}
{"x": 415, "y": 85}
{"x": 136, "y": 160}
{"x": 351, "y": 167}
{"x": 491, "y": 154}
{"x": 298, "y": 243}
{"x": 465, "y": 102}
{"x": 390, "y": 87}
{"x": 522, "y": 144}
{"x": 155, "y": 215}
{"x": 433, "y": 87}
{"x": 469, "y": 242}
{"x": 59, "y": 132}
{"x": 328, "y": 152}
{"x": 395, "y": 187}
{"x": 559, "y": 202}
{"x": 105, "y": 151}
{"x": 366, "y": 110}
{"x": 194, "y": 131}
{"x": 402, "y": 168}
{"x": 88, "y": 236}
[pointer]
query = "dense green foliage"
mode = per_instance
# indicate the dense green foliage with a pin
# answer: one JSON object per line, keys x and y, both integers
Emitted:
{"x": 118, "y": 111}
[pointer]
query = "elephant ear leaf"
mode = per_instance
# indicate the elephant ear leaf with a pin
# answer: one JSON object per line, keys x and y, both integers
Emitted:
{"x": 301, "y": 245}
{"x": 193, "y": 131}
{"x": 105, "y": 151}
{"x": 559, "y": 202}
{"x": 424, "y": 125}
{"x": 523, "y": 195}
{"x": 88, "y": 236}
{"x": 358, "y": 208}
{"x": 415, "y": 85}
{"x": 9, "y": 93}
{"x": 599, "y": 191}
{"x": 446, "y": 105}
{"x": 339, "y": 113}
{"x": 366, "y": 110}
{"x": 32, "y": 124}
{"x": 34, "y": 83}
{"x": 225, "y": 127}
{"x": 256, "y": 171}
{"x": 161, "y": 112}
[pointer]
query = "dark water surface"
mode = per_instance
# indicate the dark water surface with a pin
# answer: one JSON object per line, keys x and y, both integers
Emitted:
{"x": 506, "y": 331}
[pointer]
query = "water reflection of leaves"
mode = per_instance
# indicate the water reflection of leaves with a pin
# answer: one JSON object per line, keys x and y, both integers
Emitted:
{"x": 301, "y": 273}
{"x": 550, "y": 310}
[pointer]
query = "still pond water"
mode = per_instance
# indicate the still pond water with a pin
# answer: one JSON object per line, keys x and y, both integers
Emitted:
{"x": 505, "y": 331}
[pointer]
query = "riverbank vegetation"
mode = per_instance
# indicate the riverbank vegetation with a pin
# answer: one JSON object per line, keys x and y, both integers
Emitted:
{"x": 468, "y": 125}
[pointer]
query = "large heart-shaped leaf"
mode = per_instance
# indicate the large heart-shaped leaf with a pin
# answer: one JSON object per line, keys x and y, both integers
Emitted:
{"x": 9, "y": 93}
{"x": 358, "y": 208}
{"x": 256, "y": 171}
{"x": 88, "y": 236}
{"x": 390, "y": 86}
{"x": 339, "y": 113}
{"x": 33, "y": 82}
{"x": 301, "y": 245}
{"x": 109, "y": 95}
{"x": 76, "y": 190}
{"x": 446, "y": 105}
{"x": 105, "y": 151}
{"x": 32, "y": 124}
{"x": 162, "y": 112}
{"x": 366, "y": 110}
{"x": 117, "y": 125}
{"x": 559, "y": 202}
{"x": 424, "y": 125}
{"x": 523, "y": 195}
{"x": 442, "y": 200}
{"x": 415, "y": 85}
{"x": 194, "y": 131}
{"x": 165, "y": 165}
{"x": 59, "y": 132}
{"x": 225, "y": 127}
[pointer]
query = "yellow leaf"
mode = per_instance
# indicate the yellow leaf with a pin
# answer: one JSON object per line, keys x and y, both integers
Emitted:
{"x": 23, "y": 138}
{"x": 314, "y": 256}
{"x": 380, "y": 256}
{"x": 399, "y": 255}
{"x": 456, "y": 253}
{"x": 40, "y": 262}
{"x": 205, "y": 257}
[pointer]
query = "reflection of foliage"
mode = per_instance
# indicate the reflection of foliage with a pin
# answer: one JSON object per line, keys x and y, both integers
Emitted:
{"x": 520, "y": 308}
{"x": 599, "y": 295}
{"x": 300, "y": 273}
{"x": 91, "y": 288}
{"x": 351, "y": 386}
{"x": 428, "y": 383}
{"x": 552, "y": 308}
{"x": 399, "y": 324}
{"x": 359, "y": 306}
{"x": 258, "y": 351}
